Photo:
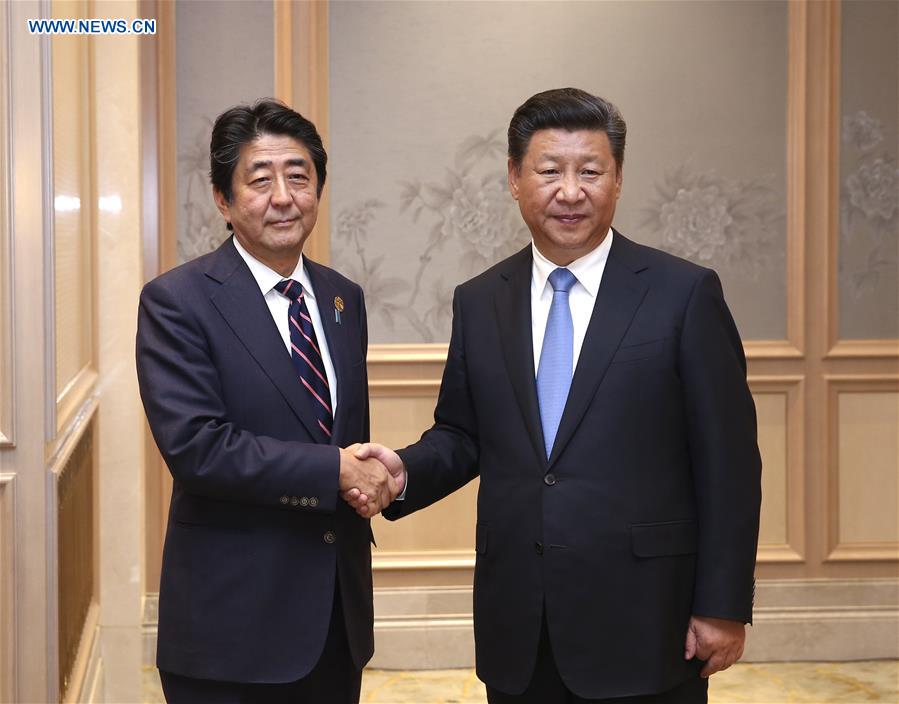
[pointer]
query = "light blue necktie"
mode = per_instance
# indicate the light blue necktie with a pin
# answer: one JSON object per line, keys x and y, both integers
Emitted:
{"x": 556, "y": 357}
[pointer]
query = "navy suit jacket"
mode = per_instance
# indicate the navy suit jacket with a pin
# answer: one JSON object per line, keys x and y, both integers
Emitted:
{"x": 647, "y": 510}
{"x": 257, "y": 534}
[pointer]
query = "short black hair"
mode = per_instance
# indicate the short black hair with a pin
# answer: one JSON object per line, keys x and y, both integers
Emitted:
{"x": 567, "y": 109}
{"x": 243, "y": 124}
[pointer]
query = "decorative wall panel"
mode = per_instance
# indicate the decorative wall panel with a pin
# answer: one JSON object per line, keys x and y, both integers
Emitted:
{"x": 421, "y": 96}
{"x": 772, "y": 417}
{"x": 868, "y": 458}
{"x": 781, "y": 421}
{"x": 72, "y": 198}
{"x": 869, "y": 175}
{"x": 864, "y": 484}
{"x": 76, "y": 545}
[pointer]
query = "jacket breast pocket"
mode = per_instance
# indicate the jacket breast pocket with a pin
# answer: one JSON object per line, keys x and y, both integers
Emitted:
{"x": 664, "y": 539}
{"x": 642, "y": 350}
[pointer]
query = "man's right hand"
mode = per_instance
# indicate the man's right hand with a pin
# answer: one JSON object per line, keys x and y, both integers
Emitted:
{"x": 369, "y": 478}
{"x": 357, "y": 496}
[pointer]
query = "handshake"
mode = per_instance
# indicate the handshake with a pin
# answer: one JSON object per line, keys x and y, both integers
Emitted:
{"x": 371, "y": 477}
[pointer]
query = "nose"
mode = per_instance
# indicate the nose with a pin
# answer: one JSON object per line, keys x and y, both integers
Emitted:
{"x": 569, "y": 189}
{"x": 280, "y": 193}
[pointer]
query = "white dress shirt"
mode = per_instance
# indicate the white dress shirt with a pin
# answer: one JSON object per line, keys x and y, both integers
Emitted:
{"x": 278, "y": 306}
{"x": 588, "y": 271}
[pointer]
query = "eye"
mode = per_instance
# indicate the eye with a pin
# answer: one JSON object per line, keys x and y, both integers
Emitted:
{"x": 549, "y": 172}
{"x": 590, "y": 172}
{"x": 261, "y": 181}
{"x": 298, "y": 177}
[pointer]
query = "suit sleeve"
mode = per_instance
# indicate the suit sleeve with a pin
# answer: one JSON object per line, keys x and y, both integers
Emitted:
{"x": 205, "y": 451}
{"x": 722, "y": 436}
{"x": 446, "y": 456}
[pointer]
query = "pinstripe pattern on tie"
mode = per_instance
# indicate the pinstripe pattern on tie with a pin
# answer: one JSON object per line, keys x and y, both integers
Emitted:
{"x": 305, "y": 353}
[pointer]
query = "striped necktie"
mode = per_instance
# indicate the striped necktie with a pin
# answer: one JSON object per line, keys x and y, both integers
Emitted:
{"x": 306, "y": 356}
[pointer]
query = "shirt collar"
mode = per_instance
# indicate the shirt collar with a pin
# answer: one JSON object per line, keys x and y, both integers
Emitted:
{"x": 587, "y": 269}
{"x": 267, "y": 278}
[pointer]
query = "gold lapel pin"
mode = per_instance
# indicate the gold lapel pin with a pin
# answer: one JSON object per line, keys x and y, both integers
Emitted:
{"x": 338, "y": 308}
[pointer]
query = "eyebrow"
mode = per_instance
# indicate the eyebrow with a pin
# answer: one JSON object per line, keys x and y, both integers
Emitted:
{"x": 546, "y": 156}
{"x": 266, "y": 163}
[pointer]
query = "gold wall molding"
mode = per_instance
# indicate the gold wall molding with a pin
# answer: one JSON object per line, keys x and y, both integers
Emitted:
{"x": 404, "y": 560}
{"x": 301, "y": 81}
{"x": 8, "y": 587}
{"x": 840, "y": 549}
{"x": 864, "y": 349}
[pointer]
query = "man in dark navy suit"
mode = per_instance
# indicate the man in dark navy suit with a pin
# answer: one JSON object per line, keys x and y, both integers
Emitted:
{"x": 598, "y": 388}
{"x": 251, "y": 362}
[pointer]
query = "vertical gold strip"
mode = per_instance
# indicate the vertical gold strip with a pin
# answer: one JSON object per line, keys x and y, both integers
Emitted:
{"x": 283, "y": 59}
{"x": 797, "y": 95}
{"x": 309, "y": 54}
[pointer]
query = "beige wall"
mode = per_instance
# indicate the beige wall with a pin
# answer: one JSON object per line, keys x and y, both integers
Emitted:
{"x": 421, "y": 96}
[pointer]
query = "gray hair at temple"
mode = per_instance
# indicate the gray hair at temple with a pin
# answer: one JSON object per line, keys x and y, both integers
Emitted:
{"x": 566, "y": 109}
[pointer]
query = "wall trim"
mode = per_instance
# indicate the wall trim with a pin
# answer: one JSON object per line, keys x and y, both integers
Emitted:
{"x": 383, "y": 560}
{"x": 794, "y": 619}
{"x": 864, "y": 349}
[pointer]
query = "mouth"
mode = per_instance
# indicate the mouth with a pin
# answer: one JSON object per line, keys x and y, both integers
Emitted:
{"x": 287, "y": 222}
{"x": 569, "y": 218}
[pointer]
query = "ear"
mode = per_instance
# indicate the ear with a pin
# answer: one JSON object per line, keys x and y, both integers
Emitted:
{"x": 222, "y": 204}
{"x": 514, "y": 175}
{"x": 618, "y": 178}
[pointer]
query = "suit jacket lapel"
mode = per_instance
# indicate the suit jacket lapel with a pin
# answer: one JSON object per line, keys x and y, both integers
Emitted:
{"x": 336, "y": 334}
{"x": 617, "y": 300}
{"x": 243, "y": 307}
{"x": 513, "y": 314}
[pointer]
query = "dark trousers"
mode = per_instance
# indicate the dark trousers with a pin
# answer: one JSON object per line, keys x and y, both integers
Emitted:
{"x": 334, "y": 679}
{"x": 547, "y": 687}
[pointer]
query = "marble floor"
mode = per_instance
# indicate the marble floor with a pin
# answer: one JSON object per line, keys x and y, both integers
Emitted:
{"x": 759, "y": 683}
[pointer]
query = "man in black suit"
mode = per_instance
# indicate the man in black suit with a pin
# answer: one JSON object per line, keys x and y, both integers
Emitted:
{"x": 598, "y": 388}
{"x": 251, "y": 363}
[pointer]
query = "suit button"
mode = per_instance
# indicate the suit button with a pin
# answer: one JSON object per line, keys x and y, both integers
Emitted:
{"x": 294, "y": 501}
{"x": 304, "y": 501}
{"x": 313, "y": 501}
{"x": 330, "y": 537}
{"x": 549, "y": 479}
{"x": 538, "y": 546}
{"x": 285, "y": 500}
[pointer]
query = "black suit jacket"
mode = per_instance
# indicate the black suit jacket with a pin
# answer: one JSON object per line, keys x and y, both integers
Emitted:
{"x": 646, "y": 512}
{"x": 256, "y": 533}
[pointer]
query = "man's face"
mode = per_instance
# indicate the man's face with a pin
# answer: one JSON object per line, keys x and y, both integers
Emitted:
{"x": 274, "y": 203}
{"x": 567, "y": 189}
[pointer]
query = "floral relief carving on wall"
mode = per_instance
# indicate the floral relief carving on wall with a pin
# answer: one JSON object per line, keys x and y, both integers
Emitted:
{"x": 729, "y": 225}
{"x": 470, "y": 221}
{"x": 202, "y": 226}
{"x": 869, "y": 200}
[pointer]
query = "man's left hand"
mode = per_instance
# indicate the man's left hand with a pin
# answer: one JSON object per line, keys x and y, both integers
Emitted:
{"x": 718, "y": 641}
